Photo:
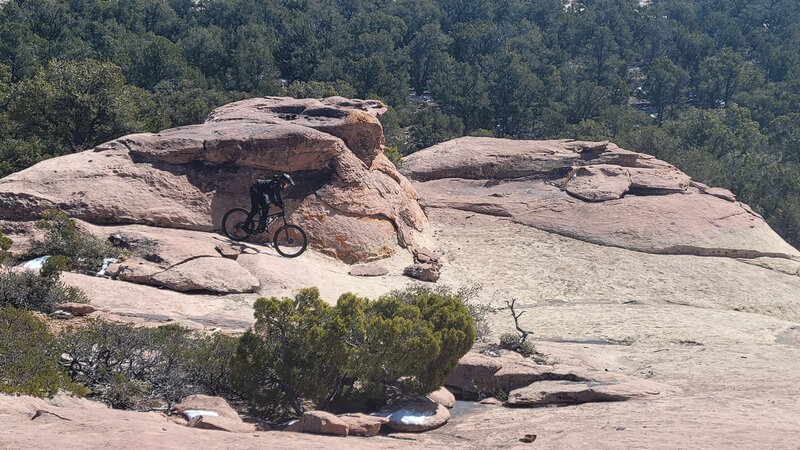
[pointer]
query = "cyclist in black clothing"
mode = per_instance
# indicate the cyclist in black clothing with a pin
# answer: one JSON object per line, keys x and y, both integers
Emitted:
{"x": 264, "y": 193}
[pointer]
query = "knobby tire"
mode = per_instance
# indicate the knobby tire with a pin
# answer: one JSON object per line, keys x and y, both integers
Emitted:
{"x": 232, "y": 222}
{"x": 290, "y": 241}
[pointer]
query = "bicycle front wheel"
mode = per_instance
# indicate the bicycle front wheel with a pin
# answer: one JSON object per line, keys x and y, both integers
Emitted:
{"x": 233, "y": 224}
{"x": 290, "y": 241}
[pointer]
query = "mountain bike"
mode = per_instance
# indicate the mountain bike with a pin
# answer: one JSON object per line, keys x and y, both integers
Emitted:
{"x": 289, "y": 240}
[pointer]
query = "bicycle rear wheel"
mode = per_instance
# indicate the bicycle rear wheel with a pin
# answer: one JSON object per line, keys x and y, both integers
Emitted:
{"x": 290, "y": 241}
{"x": 233, "y": 224}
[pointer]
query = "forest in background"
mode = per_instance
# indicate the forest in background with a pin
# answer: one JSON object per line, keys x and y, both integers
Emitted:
{"x": 712, "y": 86}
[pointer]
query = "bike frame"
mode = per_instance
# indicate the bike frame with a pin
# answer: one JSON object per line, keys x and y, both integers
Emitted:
{"x": 271, "y": 218}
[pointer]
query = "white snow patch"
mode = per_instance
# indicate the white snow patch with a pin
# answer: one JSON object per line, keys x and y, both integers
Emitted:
{"x": 192, "y": 413}
{"x": 35, "y": 264}
{"x": 106, "y": 262}
{"x": 407, "y": 416}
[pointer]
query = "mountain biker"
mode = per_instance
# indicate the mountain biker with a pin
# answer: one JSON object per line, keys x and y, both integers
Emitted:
{"x": 264, "y": 193}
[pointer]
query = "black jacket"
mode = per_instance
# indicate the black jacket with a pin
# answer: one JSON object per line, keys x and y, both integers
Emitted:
{"x": 270, "y": 188}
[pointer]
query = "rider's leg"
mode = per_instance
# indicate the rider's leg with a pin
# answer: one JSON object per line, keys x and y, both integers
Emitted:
{"x": 254, "y": 208}
{"x": 262, "y": 220}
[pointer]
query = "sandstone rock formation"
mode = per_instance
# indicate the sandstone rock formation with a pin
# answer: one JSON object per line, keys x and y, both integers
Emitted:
{"x": 478, "y": 375}
{"x": 179, "y": 260}
{"x": 364, "y": 425}
{"x": 416, "y": 416}
{"x": 531, "y": 384}
{"x": 212, "y": 413}
{"x": 717, "y": 336}
{"x": 423, "y": 272}
{"x": 350, "y": 199}
{"x": 320, "y": 422}
{"x": 443, "y": 397}
{"x": 88, "y": 425}
{"x": 571, "y": 392}
{"x": 427, "y": 265}
{"x": 592, "y": 191}
{"x": 76, "y": 309}
{"x": 214, "y": 274}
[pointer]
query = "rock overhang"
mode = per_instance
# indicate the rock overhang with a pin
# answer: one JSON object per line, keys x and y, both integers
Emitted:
{"x": 351, "y": 199}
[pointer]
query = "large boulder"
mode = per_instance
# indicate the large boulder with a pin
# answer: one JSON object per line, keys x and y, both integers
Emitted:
{"x": 478, "y": 375}
{"x": 416, "y": 416}
{"x": 592, "y": 191}
{"x": 179, "y": 260}
{"x": 212, "y": 413}
{"x": 443, "y": 397}
{"x": 349, "y": 197}
{"x": 218, "y": 274}
{"x": 364, "y": 425}
{"x": 320, "y": 422}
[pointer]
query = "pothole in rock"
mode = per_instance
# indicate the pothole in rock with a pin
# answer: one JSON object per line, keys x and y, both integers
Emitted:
{"x": 464, "y": 408}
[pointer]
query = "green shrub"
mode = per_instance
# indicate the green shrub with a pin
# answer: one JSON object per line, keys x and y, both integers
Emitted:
{"x": 303, "y": 350}
{"x": 393, "y": 153}
{"x": 27, "y": 289}
{"x": 513, "y": 342}
{"x": 139, "y": 368}
{"x": 468, "y": 295}
{"x": 29, "y": 356}
{"x": 62, "y": 237}
{"x": 5, "y": 245}
{"x": 122, "y": 393}
{"x": 54, "y": 265}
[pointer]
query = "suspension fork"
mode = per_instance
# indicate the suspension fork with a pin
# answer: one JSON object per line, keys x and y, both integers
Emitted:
{"x": 285, "y": 226}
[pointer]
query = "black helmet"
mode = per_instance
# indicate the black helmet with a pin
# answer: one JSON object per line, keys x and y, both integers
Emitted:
{"x": 285, "y": 178}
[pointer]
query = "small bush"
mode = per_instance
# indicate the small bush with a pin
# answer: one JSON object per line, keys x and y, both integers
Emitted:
{"x": 517, "y": 342}
{"x": 393, "y": 153}
{"x": 27, "y": 289}
{"x": 139, "y": 368}
{"x": 513, "y": 342}
{"x": 304, "y": 350}
{"x": 122, "y": 393}
{"x": 29, "y": 356}
{"x": 84, "y": 251}
{"x": 5, "y": 245}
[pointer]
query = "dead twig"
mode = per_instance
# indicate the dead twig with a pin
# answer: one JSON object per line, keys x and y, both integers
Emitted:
{"x": 523, "y": 334}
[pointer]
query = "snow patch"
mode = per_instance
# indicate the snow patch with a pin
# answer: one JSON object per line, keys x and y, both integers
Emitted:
{"x": 192, "y": 413}
{"x": 406, "y": 416}
{"x": 106, "y": 262}
{"x": 35, "y": 264}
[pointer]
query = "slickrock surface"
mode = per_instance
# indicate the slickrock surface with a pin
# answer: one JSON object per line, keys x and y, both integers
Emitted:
{"x": 665, "y": 291}
{"x": 83, "y": 425}
{"x": 592, "y": 191}
{"x": 350, "y": 199}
